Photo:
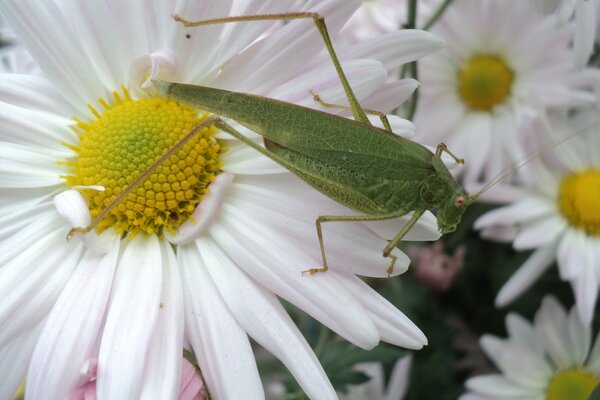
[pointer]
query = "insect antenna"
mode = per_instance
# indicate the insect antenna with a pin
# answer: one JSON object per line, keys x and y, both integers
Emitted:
{"x": 515, "y": 166}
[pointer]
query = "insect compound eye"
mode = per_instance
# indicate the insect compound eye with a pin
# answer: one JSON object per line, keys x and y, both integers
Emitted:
{"x": 459, "y": 201}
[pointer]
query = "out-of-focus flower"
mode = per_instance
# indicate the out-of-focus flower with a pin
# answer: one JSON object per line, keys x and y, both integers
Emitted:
{"x": 503, "y": 64}
{"x": 376, "y": 17}
{"x": 586, "y": 21}
{"x": 375, "y": 388}
{"x": 557, "y": 214}
{"x": 550, "y": 359}
{"x": 204, "y": 247}
{"x": 435, "y": 268}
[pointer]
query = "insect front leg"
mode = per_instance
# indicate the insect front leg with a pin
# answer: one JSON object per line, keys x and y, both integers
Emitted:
{"x": 442, "y": 148}
{"x": 319, "y": 22}
{"x": 382, "y": 116}
{"x": 349, "y": 218}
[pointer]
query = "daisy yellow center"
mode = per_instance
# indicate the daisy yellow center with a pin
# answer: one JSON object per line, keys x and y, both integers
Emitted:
{"x": 484, "y": 82}
{"x": 579, "y": 200}
{"x": 571, "y": 384}
{"x": 122, "y": 142}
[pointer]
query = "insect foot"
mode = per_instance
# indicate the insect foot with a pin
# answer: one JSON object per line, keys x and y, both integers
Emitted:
{"x": 390, "y": 268}
{"x": 77, "y": 229}
{"x": 313, "y": 271}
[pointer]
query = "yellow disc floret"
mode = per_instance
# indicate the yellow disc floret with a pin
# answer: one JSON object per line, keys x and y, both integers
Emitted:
{"x": 484, "y": 82}
{"x": 571, "y": 384}
{"x": 122, "y": 142}
{"x": 579, "y": 200}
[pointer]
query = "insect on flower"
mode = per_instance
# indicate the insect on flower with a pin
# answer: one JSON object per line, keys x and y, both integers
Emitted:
{"x": 368, "y": 169}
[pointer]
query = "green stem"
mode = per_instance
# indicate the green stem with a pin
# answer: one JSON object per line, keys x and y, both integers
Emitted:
{"x": 438, "y": 13}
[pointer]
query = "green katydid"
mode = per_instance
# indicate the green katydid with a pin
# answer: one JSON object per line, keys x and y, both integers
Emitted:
{"x": 368, "y": 169}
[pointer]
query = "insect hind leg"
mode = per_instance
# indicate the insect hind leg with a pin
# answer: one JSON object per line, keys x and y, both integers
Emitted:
{"x": 382, "y": 116}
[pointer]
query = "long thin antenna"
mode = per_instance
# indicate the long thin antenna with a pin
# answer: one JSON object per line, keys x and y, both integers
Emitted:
{"x": 513, "y": 167}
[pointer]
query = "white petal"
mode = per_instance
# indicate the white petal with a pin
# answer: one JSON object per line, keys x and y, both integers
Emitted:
{"x": 31, "y": 282}
{"x": 265, "y": 320}
{"x": 394, "y": 327}
{"x": 498, "y": 387}
{"x": 540, "y": 233}
{"x": 69, "y": 336}
{"x": 399, "y": 379}
{"x": 527, "y": 273}
{"x": 521, "y": 211}
{"x": 579, "y": 338}
{"x": 425, "y": 229}
{"x": 395, "y": 48}
{"x": 163, "y": 363}
{"x": 551, "y": 327}
{"x": 22, "y": 167}
{"x": 279, "y": 269}
{"x": 522, "y": 333}
{"x": 585, "y": 30}
{"x": 390, "y": 95}
{"x": 585, "y": 288}
{"x": 220, "y": 344}
{"x": 131, "y": 318}
{"x": 14, "y": 359}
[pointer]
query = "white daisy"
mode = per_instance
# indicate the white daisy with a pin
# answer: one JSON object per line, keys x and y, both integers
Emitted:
{"x": 557, "y": 214}
{"x": 503, "y": 63}
{"x": 375, "y": 388}
{"x": 550, "y": 359}
{"x": 127, "y": 295}
{"x": 586, "y": 20}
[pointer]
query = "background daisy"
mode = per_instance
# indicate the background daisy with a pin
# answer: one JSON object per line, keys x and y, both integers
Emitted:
{"x": 553, "y": 358}
{"x": 131, "y": 303}
{"x": 503, "y": 64}
{"x": 556, "y": 214}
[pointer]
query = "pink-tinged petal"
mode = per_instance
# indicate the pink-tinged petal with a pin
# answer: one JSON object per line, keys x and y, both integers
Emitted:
{"x": 262, "y": 316}
{"x": 163, "y": 363}
{"x": 350, "y": 246}
{"x": 325, "y": 82}
{"x": 393, "y": 326}
{"x": 279, "y": 269}
{"x": 57, "y": 48}
{"x": 191, "y": 382}
{"x": 14, "y": 360}
{"x": 545, "y": 6}
{"x": 70, "y": 334}
{"x": 27, "y": 167}
{"x": 390, "y": 95}
{"x": 161, "y": 64}
{"x": 284, "y": 53}
{"x": 205, "y": 212}
{"x": 193, "y": 45}
{"x": 31, "y": 282}
{"x": 240, "y": 159}
{"x": 395, "y": 48}
{"x": 527, "y": 273}
{"x": 425, "y": 229}
{"x": 220, "y": 344}
{"x": 131, "y": 319}
{"x": 35, "y": 93}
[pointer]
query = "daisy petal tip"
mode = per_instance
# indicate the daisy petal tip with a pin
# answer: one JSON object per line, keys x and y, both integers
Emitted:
{"x": 205, "y": 212}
